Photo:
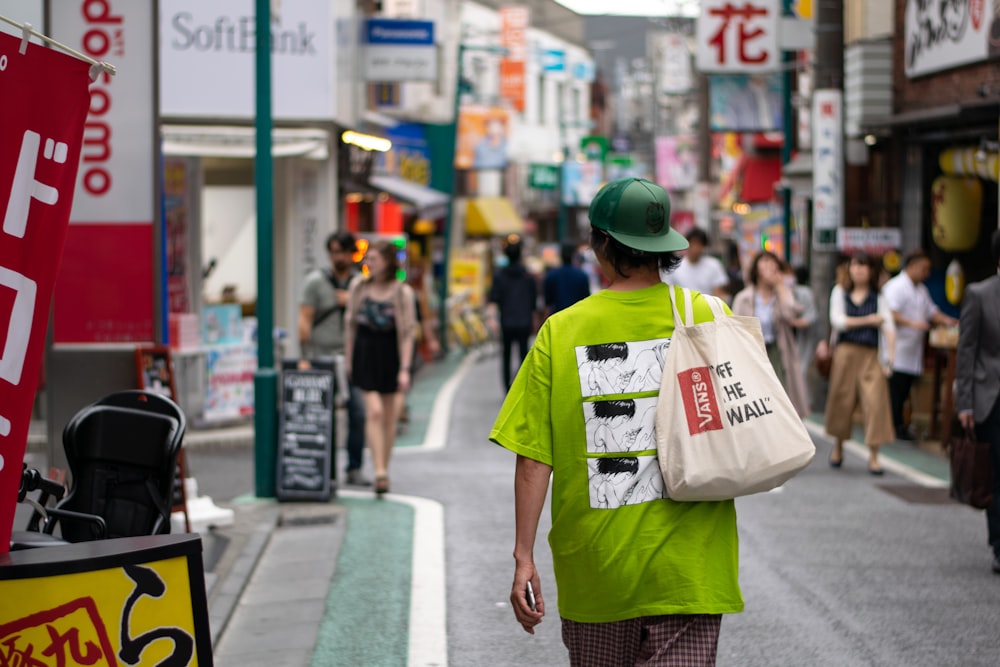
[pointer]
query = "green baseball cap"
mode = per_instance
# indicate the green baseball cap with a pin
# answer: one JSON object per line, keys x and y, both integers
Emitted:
{"x": 636, "y": 213}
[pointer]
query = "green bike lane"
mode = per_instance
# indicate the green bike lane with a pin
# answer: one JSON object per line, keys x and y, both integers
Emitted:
{"x": 385, "y": 604}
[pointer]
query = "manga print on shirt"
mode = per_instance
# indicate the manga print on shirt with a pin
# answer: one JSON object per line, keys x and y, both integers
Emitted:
{"x": 613, "y": 369}
{"x": 621, "y": 425}
{"x": 616, "y": 482}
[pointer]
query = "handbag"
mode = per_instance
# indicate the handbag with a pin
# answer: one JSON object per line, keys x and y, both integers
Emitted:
{"x": 823, "y": 358}
{"x": 971, "y": 470}
{"x": 724, "y": 425}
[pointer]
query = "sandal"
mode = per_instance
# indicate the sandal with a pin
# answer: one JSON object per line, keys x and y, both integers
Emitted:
{"x": 381, "y": 485}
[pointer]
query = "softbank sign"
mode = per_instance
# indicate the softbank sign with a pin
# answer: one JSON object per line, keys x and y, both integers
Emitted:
{"x": 225, "y": 35}
{"x": 207, "y": 59}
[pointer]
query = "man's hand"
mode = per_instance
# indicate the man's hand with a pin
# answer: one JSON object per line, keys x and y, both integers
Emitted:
{"x": 523, "y": 573}
{"x": 342, "y": 297}
{"x": 967, "y": 419}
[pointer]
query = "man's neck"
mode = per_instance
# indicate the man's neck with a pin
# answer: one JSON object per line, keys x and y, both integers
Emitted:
{"x": 636, "y": 280}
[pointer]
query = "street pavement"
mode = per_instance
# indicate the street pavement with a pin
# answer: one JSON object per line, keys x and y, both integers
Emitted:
{"x": 838, "y": 567}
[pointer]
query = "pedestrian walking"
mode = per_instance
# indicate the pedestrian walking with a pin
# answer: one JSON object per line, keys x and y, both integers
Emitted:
{"x": 977, "y": 379}
{"x": 806, "y": 334}
{"x": 913, "y": 312}
{"x": 381, "y": 325}
{"x": 321, "y": 335}
{"x": 642, "y": 579}
{"x": 860, "y": 319}
{"x": 768, "y": 298}
{"x": 565, "y": 284}
{"x": 515, "y": 293}
{"x": 698, "y": 270}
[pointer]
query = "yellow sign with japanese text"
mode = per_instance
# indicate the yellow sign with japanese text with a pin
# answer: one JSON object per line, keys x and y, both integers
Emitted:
{"x": 138, "y": 614}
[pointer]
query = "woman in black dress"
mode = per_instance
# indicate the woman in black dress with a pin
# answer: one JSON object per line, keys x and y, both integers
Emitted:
{"x": 380, "y": 330}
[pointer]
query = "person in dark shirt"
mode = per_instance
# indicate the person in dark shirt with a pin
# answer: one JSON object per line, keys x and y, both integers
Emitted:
{"x": 567, "y": 284}
{"x": 515, "y": 293}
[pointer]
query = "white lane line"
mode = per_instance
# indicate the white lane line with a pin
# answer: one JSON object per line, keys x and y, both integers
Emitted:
{"x": 428, "y": 641}
{"x": 436, "y": 436}
{"x": 860, "y": 450}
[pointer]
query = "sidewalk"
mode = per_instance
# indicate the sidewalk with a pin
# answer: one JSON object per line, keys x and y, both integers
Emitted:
{"x": 300, "y": 589}
{"x": 270, "y": 577}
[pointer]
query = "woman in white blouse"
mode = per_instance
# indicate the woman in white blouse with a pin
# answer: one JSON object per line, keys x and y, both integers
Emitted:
{"x": 862, "y": 324}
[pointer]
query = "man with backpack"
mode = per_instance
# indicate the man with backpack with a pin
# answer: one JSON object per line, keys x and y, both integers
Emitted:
{"x": 321, "y": 334}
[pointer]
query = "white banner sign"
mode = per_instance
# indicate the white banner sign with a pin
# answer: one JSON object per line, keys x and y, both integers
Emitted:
{"x": 941, "y": 34}
{"x": 872, "y": 240}
{"x": 828, "y": 166}
{"x": 207, "y": 67}
{"x": 671, "y": 52}
{"x": 400, "y": 63}
{"x": 115, "y": 180}
{"x": 735, "y": 36}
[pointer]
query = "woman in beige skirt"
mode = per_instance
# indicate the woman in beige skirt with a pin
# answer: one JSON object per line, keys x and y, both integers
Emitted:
{"x": 861, "y": 323}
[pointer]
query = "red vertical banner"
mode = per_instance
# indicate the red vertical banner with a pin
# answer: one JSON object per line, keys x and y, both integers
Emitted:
{"x": 106, "y": 284}
{"x": 514, "y": 38}
{"x": 46, "y": 98}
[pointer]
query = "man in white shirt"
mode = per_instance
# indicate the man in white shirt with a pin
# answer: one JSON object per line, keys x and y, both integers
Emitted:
{"x": 913, "y": 312}
{"x": 698, "y": 271}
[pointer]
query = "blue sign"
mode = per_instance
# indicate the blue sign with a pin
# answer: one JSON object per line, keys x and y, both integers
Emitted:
{"x": 583, "y": 71}
{"x": 399, "y": 32}
{"x": 553, "y": 60}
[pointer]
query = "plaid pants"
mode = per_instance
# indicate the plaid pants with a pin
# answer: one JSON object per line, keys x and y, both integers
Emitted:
{"x": 649, "y": 641}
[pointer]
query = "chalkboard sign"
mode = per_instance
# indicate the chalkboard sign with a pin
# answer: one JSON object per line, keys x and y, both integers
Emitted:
{"x": 305, "y": 435}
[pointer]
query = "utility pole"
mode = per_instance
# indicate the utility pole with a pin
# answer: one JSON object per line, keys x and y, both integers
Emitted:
{"x": 829, "y": 77}
{"x": 265, "y": 382}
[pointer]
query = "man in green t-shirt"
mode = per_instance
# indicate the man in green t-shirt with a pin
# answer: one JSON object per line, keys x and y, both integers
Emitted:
{"x": 641, "y": 578}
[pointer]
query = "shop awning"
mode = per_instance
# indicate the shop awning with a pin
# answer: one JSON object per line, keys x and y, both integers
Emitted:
{"x": 428, "y": 202}
{"x": 241, "y": 142}
{"x": 492, "y": 216}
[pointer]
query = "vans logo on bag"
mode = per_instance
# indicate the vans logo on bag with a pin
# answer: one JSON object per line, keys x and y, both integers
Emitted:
{"x": 700, "y": 406}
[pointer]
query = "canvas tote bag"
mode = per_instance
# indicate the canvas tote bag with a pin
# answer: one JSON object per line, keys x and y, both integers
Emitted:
{"x": 724, "y": 425}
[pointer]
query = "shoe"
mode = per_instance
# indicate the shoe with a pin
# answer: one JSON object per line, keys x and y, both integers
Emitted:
{"x": 355, "y": 478}
{"x": 996, "y": 565}
{"x": 904, "y": 433}
{"x": 381, "y": 485}
{"x": 878, "y": 472}
{"x": 836, "y": 463}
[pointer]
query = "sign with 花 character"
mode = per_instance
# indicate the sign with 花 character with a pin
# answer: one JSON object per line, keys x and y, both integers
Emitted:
{"x": 738, "y": 35}
{"x": 46, "y": 98}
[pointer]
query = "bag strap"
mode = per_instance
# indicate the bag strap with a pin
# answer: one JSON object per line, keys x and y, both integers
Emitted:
{"x": 714, "y": 302}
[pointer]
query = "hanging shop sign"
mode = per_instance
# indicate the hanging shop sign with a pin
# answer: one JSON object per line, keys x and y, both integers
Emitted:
{"x": 399, "y": 50}
{"x": 828, "y": 167}
{"x": 871, "y": 240}
{"x": 738, "y": 36}
{"x": 514, "y": 38}
{"x": 543, "y": 176}
{"x": 941, "y": 34}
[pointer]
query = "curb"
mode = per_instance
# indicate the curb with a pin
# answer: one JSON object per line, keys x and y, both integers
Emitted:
{"x": 860, "y": 450}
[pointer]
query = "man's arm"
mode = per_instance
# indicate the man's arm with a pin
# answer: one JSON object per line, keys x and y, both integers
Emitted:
{"x": 306, "y": 315}
{"x": 531, "y": 483}
{"x": 965, "y": 357}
